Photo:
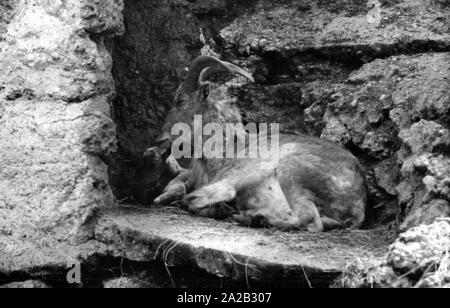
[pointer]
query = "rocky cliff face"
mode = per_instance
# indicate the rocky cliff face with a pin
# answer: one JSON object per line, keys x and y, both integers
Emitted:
{"x": 55, "y": 123}
{"x": 389, "y": 112}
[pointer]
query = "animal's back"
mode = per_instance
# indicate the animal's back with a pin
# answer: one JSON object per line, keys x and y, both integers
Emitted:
{"x": 329, "y": 174}
{"x": 313, "y": 177}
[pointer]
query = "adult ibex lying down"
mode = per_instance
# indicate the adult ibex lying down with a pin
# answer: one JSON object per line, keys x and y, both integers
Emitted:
{"x": 314, "y": 185}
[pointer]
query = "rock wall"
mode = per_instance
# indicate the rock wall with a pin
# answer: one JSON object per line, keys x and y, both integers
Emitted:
{"x": 418, "y": 259}
{"x": 389, "y": 112}
{"x": 162, "y": 38}
{"x": 55, "y": 125}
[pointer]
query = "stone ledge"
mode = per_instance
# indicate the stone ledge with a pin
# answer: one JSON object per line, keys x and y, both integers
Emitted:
{"x": 39, "y": 259}
{"x": 233, "y": 252}
{"x": 339, "y": 28}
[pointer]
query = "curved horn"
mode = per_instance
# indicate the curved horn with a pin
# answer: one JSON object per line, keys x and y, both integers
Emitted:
{"x": 207, "y": 72}
{"x": 191, "y": 84}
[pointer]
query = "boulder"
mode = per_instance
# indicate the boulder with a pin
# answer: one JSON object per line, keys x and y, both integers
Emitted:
{"x": 420, "y": 248}
{"x": 426, "y": 136}
{"x": 56, "y": 130}
{"x": 418, "y": 258}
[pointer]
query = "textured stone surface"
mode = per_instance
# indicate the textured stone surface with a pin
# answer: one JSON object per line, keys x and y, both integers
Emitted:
{"x": 55, "y": 124}
{"x": 340, "y": 26}
{"x": 149, "y": 63}
{"x": 427, "y": 136}
{"x": 420, "y": 247}
{"x": 124, "y": 283}
{"x": 229, "y": 251}
{"x": 426, "y": 213}
{"x": 6, "y": 14}
{"x": 390, "y": 111}
{"x": 38, "y": 258}
{"x": 418, "y": 258}
{"x": 272, "y": 104}
{"x": 425, "y": 185}
{"x": 29, "y": 284}
{"x": 395, "y": 93}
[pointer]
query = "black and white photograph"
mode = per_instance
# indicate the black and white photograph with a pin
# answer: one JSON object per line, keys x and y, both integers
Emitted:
{"x": 224, "y": 150}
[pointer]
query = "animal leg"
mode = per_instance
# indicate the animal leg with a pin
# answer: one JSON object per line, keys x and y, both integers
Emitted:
{"x": 331, "y": 224}
{"x": 264, "y": 204}
{"x": 308, "y": 214}
{"x": 242, "y": 219}
{"x": 299, "y": 198}
{"x": 251, "y": 218}
{"x": 266, "y": 219}
{"x": 218, "y": 211}
{"x": 304, "y": 209}
{"x": 174, "y": 191}
{"x": 208, "y": 196}
{"x": 174, "y": 167}
{"x": 172, "y": 194}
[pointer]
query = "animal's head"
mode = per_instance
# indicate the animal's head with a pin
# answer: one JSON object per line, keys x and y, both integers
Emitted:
{"x": 196, "y": 96}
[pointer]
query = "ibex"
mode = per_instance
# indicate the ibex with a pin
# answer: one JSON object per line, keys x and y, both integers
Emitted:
{"x": 315, "y": 185}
